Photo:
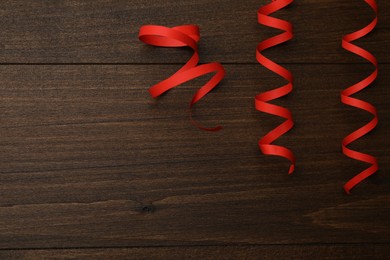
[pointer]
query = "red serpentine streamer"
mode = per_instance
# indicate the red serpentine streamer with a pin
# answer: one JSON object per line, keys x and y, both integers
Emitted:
{"x": 182, "y": 36}
{"x": 348, "y": 100}
{"x": 261, "y": 100}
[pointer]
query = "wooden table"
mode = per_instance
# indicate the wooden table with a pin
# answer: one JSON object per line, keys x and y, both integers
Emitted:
{"x": 91, "y": 166}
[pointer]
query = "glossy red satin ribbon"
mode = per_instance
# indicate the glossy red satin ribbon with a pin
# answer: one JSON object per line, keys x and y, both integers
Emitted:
{"x": 182, "y": 36}
{"x": 348, "y": 100}
{"x": 261, "y": 100}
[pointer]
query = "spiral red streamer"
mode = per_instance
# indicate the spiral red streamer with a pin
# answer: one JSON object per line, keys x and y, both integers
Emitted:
{"x": 348, "y": 100}
{"x": 182, "y": 36}
{"x": 261, "y": 100}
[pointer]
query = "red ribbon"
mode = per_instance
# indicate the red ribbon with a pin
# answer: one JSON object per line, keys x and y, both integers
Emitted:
{"x": 348, "y": 100}
{"x": 261, "y": 100}
{"x": 182, "y": 36}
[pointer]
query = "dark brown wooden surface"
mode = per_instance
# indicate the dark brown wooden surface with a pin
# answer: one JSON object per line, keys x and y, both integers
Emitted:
{"x": 92, "y": 167}
{"x": 104, "y": 31}
{"x": 379, "y": 251}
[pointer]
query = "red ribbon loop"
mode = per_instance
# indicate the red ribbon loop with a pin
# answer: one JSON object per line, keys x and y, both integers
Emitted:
{"x": 348, "y": 100}
{"x": 183, "y": 36}
{"x": 261, "y": 100}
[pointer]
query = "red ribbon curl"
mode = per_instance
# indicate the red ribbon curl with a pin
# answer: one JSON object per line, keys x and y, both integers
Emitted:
{"x": 348, "y": 100}
{"x": 261, "y": 100}
{"x": 182, "y": 36}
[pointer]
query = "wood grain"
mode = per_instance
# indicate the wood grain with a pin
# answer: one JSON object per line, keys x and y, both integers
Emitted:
{"x": 92, "y": 168}
{"x": 89, "y": 160}
{"x": 214, "y": 252}
{"x": 106, "y": 31}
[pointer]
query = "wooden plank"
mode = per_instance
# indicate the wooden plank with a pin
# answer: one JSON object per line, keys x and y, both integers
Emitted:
{"x": 87, "y": 159}
{"x": 211, "y": 252}
{"x": 104, "y": 31}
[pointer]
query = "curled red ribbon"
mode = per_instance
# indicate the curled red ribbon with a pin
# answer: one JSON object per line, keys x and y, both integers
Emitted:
{"x": 348, "y": 100}
{"x": 261, "y": 100}
{"x": 182, "y": 36}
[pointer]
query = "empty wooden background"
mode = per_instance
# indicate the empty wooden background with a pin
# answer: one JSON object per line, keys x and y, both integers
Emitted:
{"x": 91, "y": 166}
